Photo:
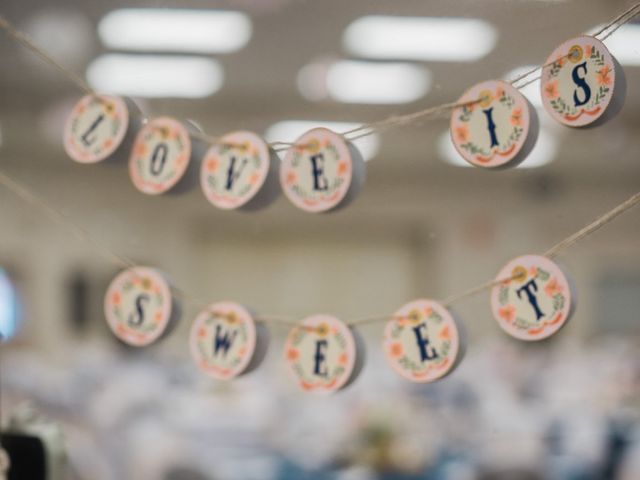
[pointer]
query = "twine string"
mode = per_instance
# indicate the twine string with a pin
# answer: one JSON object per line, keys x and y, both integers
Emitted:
{"x": 28, "y": 196}
{"x": 356, "y": 133}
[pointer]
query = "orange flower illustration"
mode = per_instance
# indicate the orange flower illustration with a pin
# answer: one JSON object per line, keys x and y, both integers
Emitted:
{"x": 115, "y": 298}
{"x": 588, "y": 50}
{"x": 243, "y": 351}
{"x": 343, "y": 167}
{"x": 462, "y": 133}
{"x": 552, "y": 287}
{"x": 202, "y": 333}
{"x": 602, "y": 76}
{"x": 212, "y": 165}
{"x": 396, "y": 350}
{"x": 551, "y": 90}
{"x": 291, "y": 178}
{"x": 253, "y": 179}
{"x": 507, "y": 313}
{"x": 107, "y": 143}
{"x": 445, "y": 333}
{"x": 428, "y": 311}
{"x": 293, "y": 354}
{"x": 140, "y": 150}
{"x": 157, "y": 317}
{"x": 533, "y": 271}
{"x": 516, "y": 117}
{"x": 343, "y": 359}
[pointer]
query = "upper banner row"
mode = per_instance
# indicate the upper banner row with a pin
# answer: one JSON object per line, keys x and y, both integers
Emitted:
{"x": 492, "y": 126}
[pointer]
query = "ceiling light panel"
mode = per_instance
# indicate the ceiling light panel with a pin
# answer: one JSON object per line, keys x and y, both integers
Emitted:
{"x": 175, "y": 30}
{"x": 442, "y": 39}
{"x": 155, "y": 75}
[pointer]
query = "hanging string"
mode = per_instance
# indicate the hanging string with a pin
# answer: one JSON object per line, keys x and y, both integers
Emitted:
{"x": 25, "y": 41}
{"x": 356, "y": 133}
{"x": 25, "y": 194}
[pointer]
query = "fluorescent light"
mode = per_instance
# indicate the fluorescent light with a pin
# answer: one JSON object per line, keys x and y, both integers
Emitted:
{"x": 155, "y": 75}
{"x": 9, "y": 307}
{"x": 624, "y": 44}
{"x": 372, "y": 82}
{"x": 175, "y": 30}
{"x": 543, "y": 152}
{"x": 531, "y": 91}
{"x": 290, "y": 130}
{"x": 420, "y": 38}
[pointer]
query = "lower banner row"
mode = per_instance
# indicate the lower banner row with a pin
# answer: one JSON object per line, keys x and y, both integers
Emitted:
{"x": 423, "y": 340}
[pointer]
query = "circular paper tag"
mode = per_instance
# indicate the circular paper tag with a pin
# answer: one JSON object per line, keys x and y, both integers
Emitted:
{"x": 494, "y": 131}
{"x": 160, "y": 155}
{"x": 317, "y": 172}
{"x": 138, "y": 305}
{"x": 536, "y": 303}
{"x": 234, "y": 170}
{"x": 422, "y": 342}
{"x": 578, "y": 82}
{"x": 223, "y": 340}
{"x": 95, "y": 128}
{"x": 321, "y": 353}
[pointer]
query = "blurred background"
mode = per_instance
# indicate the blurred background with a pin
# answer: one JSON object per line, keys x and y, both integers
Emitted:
{"x": 423, "y": 226}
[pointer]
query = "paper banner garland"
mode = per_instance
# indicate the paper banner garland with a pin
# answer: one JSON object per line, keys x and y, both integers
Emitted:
{"x": 323, "y": 354}
{"x": 422, "y": 341}
{"x": 496, "y": 127}
{"x": 225, "y": 341}
{"x": 96, "y": 127}
{"x": 321, "y": 171}
{"x": 160, "y": 156}
{"x": 240, "y": 171}
{"x": 535, "y": 301}
{"x": 139, "y": 306}
{"x": 581, "y": 83}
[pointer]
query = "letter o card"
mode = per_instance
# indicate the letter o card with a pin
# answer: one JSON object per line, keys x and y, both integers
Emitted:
{"x": 579, "y": 81}
{"x": 321, "y": 171}
{"x": 422, "y": 342}
{"x": 536, "y": 302}
{"x": 138, "y": 306}
{"x": 223, "y": 340}
{"x": 160, "y": 155}
{"x": 95, "y": 128}
{"x": 235, "y": 170}
{"x": 497, "y": 126}
{"x": 321, "y": 354}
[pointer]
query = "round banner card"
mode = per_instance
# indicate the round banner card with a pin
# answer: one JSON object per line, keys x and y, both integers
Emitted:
{"x": 536, "y": 302}
{"x": 321, "y": 353}
{"x": 493, "y": 128}
{"x": 138, "y": 306}
{"x": 223, "y": 340}
{"x": 95, "y": 128}
{"x": 578, "y": 81}
{"x": 320, "y": 170}
{"x": 235, "y": 169}
{"x": 160, "y": 155}
{"x": 422, "y": 342}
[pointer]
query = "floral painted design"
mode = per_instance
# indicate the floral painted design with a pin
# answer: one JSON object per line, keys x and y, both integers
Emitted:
{"x": 297, "y": 171}
{"x": 95, "y": 128}
{"x": 338, "y": 350}
{"x": 533, "y": 306}
{"x": 470, "y": 125}
{"x": 138, "y": 305}
{"x": 558, "y": 86}
{"x": 230, "y": 188}
{"x": 418, "y": 327}
{"x": 223, "y": 340}
{"x": 160, "y": 156}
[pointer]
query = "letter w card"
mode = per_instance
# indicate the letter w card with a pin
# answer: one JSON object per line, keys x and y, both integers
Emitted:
{"x": 225, "y": 342}
{"x": 422, "y": 342}
{"x": 537, "y": 300}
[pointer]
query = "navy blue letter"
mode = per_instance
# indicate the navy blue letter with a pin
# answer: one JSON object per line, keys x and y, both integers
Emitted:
{"x": 319, "y": 181}
{"x": 320, "y": 358}
{"x": 491, "y": 126}
{"x": 527, "y": 289}
{"x": 426, "y": 352}
{"x": 579, "y": 81}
